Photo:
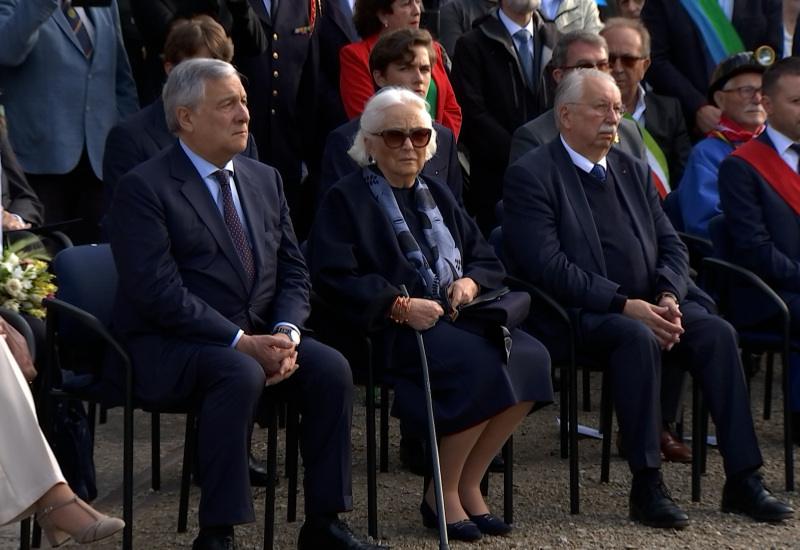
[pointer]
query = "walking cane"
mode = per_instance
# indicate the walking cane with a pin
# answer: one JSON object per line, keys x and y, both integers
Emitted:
{"x": 437, "y": 469}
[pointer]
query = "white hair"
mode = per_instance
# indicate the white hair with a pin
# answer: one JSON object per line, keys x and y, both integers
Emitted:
{"x": 186, "y": 86}
{"x": 571, "y": 87}
{"x": 372, "y": 120}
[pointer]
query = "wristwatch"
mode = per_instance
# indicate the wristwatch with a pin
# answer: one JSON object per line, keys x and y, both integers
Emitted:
{"x": 293, "y": 335}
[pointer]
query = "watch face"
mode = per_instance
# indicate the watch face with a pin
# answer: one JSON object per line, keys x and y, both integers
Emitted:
{"x": 293, "y": 335}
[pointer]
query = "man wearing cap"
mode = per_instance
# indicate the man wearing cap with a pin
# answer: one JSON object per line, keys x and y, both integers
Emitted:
{"x": 659, "y": 117}
{"x": 762, "y": 212}
{"x": 736, "y": 90}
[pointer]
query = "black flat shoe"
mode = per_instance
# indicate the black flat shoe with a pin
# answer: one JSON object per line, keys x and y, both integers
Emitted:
{"x": 652, "y": 505}
{"x": 752, "y": 497}
{"x": 489, "y": 524}
{"x": 464, "y": 530}
{"x": 258, "y": 472}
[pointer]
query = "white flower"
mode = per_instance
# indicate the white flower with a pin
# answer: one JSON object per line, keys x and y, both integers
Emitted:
{"x": 14, "y": 287}
{"x": 13, "y": 305}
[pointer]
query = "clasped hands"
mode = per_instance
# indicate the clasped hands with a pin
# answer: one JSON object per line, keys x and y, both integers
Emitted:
{"x": 423, "y": 313}
{"x": 276, "y": 354}
{"x": 663, "y": 319}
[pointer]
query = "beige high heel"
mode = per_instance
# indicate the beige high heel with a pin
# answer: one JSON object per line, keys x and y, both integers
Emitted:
{"x": 103, "y": 526}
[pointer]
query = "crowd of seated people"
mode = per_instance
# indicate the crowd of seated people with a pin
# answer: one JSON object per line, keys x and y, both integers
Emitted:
{"x": 385, "y": 132}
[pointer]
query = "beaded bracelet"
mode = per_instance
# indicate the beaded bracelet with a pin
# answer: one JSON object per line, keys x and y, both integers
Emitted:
{"x": 399, "y": 310}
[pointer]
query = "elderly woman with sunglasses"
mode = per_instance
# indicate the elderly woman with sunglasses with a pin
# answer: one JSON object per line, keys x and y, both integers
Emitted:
{"x": 385, "y": 226}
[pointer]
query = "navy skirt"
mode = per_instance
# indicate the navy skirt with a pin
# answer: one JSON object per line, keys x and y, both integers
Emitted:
{"x": 470, "y": 380}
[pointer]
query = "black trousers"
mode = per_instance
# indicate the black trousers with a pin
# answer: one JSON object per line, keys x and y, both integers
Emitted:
{"x": 227, "y": 385}
{"x": 708, "y": 350}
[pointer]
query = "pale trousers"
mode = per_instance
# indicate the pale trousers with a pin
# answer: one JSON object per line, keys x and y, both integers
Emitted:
{"x": 28, "y": 468}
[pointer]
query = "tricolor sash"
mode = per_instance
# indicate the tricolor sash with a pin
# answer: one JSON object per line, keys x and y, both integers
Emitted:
{"x": 719, "y": 35}
{"x": 778, "y": 174}
{"x": 656, "y": 159}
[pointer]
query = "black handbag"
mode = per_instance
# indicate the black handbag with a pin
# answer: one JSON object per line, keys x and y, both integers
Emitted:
{"x": 501, "y": 307}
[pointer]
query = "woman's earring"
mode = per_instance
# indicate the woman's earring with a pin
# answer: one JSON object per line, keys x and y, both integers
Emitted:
{"x": 385, "y": 24}
{"x": 370, "y": 160}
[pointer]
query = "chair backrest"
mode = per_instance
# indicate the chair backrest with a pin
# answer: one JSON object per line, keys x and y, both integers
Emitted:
{"x": 672, "y": 209}
{"x": 87, "y": 279}
{"x": 496, "y": 240}
{"x": 720, "y": 238}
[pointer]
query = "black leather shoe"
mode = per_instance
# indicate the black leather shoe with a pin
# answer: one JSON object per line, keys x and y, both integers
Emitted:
{"x": 653, "y": 505}
{"x": 751, "y": 496}
{"x": 489, "y": 524}
{"x": 498, "y": 464}
{"x": 414, "y": 454}
{"x": 464, "y": 530}
{"x": 333, "y": 534}
{"x": 226, "y": 542}
{"x": 258, "y": 472}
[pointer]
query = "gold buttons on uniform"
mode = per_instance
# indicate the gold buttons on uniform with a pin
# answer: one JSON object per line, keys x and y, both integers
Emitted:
{"x": 275, "y": 36}
{"x": 275, "y": 55}
{"x": 272, "y": 111}
{"x": 274, "y": 93}
{"x": 275, "y": 74}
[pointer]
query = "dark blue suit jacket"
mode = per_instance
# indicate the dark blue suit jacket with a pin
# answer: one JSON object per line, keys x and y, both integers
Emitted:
{"x": 140, "y": 137}
{"x": 763, "y": 229}
{"x": 550, "y": 237}
{"x": 180, "y": 277}
{"x": 336, "y": 163}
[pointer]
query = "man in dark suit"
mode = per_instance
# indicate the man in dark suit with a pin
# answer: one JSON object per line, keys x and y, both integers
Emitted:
{"x": 497, "y": 79}
{"x": 682, "y": 63}
{"x": 212, "y": 296}
{"x": 575, "y": 50}
{"x": 282, "y": 83}
{"x": 403, "y": 58}
{"x": 145, "y": 134}
{"x": 21, "y": 206}
{"x": 605, "y": 248}
{"x": 761, "y": 214}
{"x": 659, "y": 115}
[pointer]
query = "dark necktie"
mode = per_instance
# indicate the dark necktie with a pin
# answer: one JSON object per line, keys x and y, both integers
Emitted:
{"x": 525, "y": 56}
{"x": 599, "y": 172}
{"x": 796, "y": 148}
{"x": 234, "y": 224}
{"x": 78, "y": 27}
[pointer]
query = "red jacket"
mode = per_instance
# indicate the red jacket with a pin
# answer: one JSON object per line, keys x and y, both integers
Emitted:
{"x": 357, "y": 86}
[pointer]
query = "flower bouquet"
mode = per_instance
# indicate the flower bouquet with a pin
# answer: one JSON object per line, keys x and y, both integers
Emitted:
{"x": 24, "y": 277}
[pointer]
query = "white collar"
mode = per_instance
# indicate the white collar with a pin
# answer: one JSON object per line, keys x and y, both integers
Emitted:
{"x": 580, "y": 161}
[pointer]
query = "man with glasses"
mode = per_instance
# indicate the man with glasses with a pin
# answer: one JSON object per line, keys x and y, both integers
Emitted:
{"x": 497, "y": 78}
{"x": 736, "y": 90}
{"x": 659, "y": 117}
{"x": 604, "y": 248}
{"x": 574, "y": 50}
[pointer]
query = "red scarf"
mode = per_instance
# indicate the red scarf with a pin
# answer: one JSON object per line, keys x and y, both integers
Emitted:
{"x": 728, "y": 130}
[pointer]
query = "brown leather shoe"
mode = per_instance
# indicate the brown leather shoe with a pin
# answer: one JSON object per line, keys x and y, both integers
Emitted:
{"x": 673, "y": 449}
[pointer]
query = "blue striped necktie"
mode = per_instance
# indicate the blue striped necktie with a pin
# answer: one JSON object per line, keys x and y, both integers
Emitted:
{"x": 78, "y": 27}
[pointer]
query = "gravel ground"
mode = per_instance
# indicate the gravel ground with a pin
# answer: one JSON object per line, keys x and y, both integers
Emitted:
{"x": 541, "y": 494}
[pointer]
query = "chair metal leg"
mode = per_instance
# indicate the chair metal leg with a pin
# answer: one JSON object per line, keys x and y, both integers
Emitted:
{"x": 564, "y": 427}
{"x": 372, "y": 481}
{"x": 155, "y": 452}
{"x": 384, "y": 435}
{"x": 189, "y": 446}
{"x": 768, "y": 375}
{"x": 272, "y": 470}
{"x": 698, "y": 439}
{"x": 788, "y": 444}
{"x": 127, "y": 473}
{"x": 25, "y": 534}
{"x": 574, "y": 487}
{"x": 587, "y": 402}
{"x": 606, "y": 410}
{"x": 508, "y": 481}
{"x": 292, "y": 441}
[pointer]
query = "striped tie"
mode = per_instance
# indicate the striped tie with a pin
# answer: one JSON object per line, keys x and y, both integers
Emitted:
{"x": 78, "y": 27}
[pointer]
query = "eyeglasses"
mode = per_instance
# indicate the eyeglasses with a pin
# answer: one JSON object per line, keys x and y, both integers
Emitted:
{"x": 600, "y": 65}
{"x": 394, "y": 139}
{"x": 602, "y": 109}
{"x": 627, "y": 60}
{"x": 745, "y": 92}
